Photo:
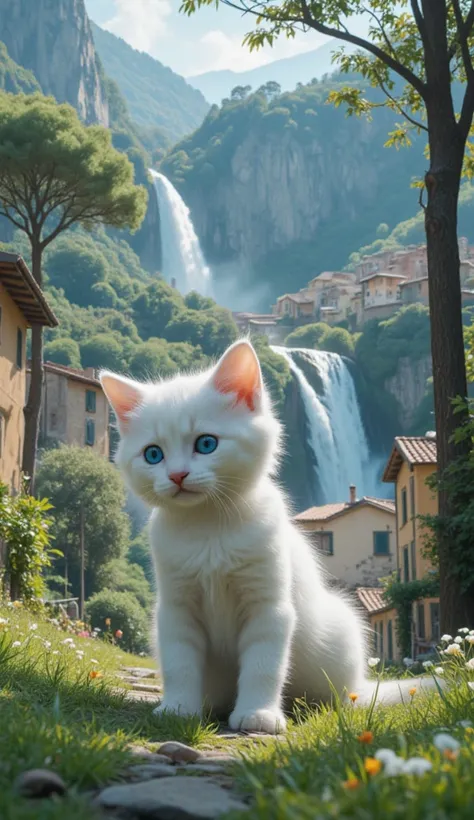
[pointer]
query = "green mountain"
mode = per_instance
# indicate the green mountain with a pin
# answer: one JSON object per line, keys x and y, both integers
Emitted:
{"x": 13, "y": 77}
{"x": 156, "y": 96}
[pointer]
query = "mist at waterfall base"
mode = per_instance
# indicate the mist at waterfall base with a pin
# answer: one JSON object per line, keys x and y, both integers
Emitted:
{"x": 334, "y": 428}
{"x": 230, "y": 284}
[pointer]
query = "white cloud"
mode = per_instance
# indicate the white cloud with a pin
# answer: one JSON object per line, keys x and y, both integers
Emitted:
{"x": 140, "y": 22}
{"x": 219, "y": 51}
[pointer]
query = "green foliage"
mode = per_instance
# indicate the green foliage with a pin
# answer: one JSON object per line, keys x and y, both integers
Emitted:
{"x": 382, "y": 344}
{"x": 276, "y": 372}
{"x": 402, "y": 596}
{"x": 55, "y": 172}
{"x": 121, "y": 576}
{"x": 62, "y": 350}
{"x": 78, "y": 481}
{"x": 307, "y": 336}
{"x": 13, "y": 77}
{"x": 139, "y": 553}
{"x": 125, "y": 613}
{"x": 155, "y": 307}
{"x": 211, "y": 330}
{"x": 103, "y": 350}
{"x": 25, "y": 528}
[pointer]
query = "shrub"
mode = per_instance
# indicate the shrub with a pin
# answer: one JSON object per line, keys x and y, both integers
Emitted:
{"x": 125, "y": 613}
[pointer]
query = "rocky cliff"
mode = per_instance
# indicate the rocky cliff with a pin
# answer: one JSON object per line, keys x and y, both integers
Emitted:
{"x": 53, "y": 39}
{"x": 291, "y": 185}
{"x": 408, "y": 387}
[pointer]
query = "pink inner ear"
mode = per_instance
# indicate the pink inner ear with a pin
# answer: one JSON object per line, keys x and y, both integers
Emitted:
{"x": 239, "y": 373}
{"x": 124, "y": 396}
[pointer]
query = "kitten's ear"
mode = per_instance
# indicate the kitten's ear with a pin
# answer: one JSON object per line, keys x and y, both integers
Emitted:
{"x": 124, "y": 395}
{"x": 238, "y": 371}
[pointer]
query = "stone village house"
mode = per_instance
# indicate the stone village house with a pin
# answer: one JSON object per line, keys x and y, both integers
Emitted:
{"x": 75, "y": 410}
{"x": 22, "y": 304}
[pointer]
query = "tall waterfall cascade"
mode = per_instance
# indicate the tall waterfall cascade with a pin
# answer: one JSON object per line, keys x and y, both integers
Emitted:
{"x": 182, "y": 257}
{"x": 336, "y": 432}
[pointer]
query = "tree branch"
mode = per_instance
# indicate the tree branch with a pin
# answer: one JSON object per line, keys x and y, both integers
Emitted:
{"x": 463, "y": 39}
{"x": 399, "y": 107}
{"x": 419, "y": 19}
{"x": 308, "y": 20}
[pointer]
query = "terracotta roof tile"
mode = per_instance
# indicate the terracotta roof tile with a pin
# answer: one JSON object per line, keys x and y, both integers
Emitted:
{"x": 372, "y": 599}
{"x": 413, "y": 450}
{"x": 328, "y": 511}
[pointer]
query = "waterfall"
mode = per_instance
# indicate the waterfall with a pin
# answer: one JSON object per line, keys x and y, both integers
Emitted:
{"x": 182, "y": 257}
{"x": 336, "y": 432}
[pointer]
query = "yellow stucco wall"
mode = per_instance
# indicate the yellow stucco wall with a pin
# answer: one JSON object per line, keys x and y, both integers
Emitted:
{"x": 420, "y": 500}
{"x": 12, "y": 391}
{"x": 77, "y": 416}
{"x": 354, "y": 561}
{"x": 381, "y": 623}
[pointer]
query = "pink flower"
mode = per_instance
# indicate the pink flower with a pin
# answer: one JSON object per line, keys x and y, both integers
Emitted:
{"x": 83, "y": 634}
{"x": 119, "y": 634}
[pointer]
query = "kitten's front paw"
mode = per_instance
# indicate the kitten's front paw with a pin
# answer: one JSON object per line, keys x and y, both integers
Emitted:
{"x": 181, "y": 709}
{"x": 270, "y": 721}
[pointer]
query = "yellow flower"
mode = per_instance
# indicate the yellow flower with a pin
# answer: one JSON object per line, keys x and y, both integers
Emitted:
{"x": 372, "y": 765}
{"x": 469, "y": 730}
{"x": 353, "y": 697}
{"x": 351, "y": 784}
{"x": 16, "y": 604}
{"x": 412, "y": 691}
{"x": 108, "y": 621}
{"x": 365, "y": 737}
{"x": 94, "y": 673}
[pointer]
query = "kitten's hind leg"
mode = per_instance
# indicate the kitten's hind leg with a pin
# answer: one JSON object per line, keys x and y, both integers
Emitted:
{"x": 264, "y": 649}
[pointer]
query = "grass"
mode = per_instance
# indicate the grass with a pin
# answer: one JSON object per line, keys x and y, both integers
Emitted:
{"x": 54, "y": 713}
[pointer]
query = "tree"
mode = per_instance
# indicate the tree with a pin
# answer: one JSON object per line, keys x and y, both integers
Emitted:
{"x": 155, "y": 307}
{"x": 418, "y": 52}
{"x": 103, "y": 350}
{"x": 63, "y": 350}
{"x": 76, "y": 269}
{"x": 79, "y": 483}
{"x": 54, "y": 172}
{"x": 240, "y": 92}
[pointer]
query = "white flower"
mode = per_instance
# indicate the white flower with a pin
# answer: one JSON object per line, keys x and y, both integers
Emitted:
{"x": 470, "y": 683}
{"x": 47, "y": 644}
{"x": 444, "y": 742}
{"x": 56, "y": 652}
{"x": 439, "y": 670}
{"x": 428, "y": 664}
{"x": 446, "y": 638}
{"x": 33, "y": 627}
{"x": 458, "y": 639}
{"x": 67, "y": 640}
{"x": 469, "y": 639}
{"x": 326, "y": 794}
{"x": 470, "y": 664}
{"x": 93, "y": 660}
{"x": 464, "y": 629}
{"x": 417, "y": 765}
{"x": 16, "y": 643}
{"x": 79, "y": 653}
{"x": 373, "y": 662}
{"x": 466, "y": 724}
{"x": 453, "y": 649}
{"x": 4, "y": 621}
{"x": 408, "y": 661}
{"x": 471, "y": 631}
{"x": 392, "y": 764}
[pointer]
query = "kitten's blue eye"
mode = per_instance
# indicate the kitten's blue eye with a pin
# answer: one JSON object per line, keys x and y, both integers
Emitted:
{"x": 205, "y": 444}
{"x": 153, "y": 454}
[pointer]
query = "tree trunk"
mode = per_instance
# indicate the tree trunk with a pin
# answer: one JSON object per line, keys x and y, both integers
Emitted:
{"x": 447, "y": 345}
{"x": 32, "y": 411}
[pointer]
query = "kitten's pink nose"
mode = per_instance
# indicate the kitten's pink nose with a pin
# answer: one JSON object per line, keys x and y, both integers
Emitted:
{"x": 178, "y": 478}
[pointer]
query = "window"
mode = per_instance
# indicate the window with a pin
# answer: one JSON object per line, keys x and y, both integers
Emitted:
{"x": 53, "y": 421}
{"x": 413, "y": 561}
{"x": 404, "y": 506}
{"x": 390, "y": 640}
{"x": 382, "y": 542}
{"x": 381, "y": 639}
{"x": 19, "y": 348}
{"x": 324, "y": 542}
{"x": 90, "y": 401}
{"x": 406, "y": 565}
{"x": 90, "y": 433}
{"x": 412, "y": 496}
{"x": 434, "y": 615}
{"x": 420, "y": 619}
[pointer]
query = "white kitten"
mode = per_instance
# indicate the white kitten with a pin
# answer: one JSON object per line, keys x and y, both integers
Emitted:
{"x": 244, "y": 616}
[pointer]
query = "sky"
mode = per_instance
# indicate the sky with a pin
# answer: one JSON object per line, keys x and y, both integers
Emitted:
{"x": 208, "y": 41}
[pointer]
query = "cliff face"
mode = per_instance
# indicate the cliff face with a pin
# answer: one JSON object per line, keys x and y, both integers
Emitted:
{"x": 408, "y": 387}
{"x": 53, "y": 39}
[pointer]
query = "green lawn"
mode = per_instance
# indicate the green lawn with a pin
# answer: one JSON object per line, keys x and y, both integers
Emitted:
{"x": 55, "y": 713}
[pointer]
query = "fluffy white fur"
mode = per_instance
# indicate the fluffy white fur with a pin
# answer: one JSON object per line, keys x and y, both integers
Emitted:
{"x": 245, "y": 619}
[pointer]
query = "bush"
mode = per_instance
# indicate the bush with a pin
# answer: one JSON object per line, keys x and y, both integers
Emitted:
{"x": 125, "y": 613}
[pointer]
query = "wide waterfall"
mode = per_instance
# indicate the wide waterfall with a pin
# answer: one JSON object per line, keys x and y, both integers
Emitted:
{"x": 182, "y": 257}
{"x": 335, "y": 430}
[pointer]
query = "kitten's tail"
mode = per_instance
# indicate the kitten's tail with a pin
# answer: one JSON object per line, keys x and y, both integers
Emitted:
{"x": 392, "y": 692}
